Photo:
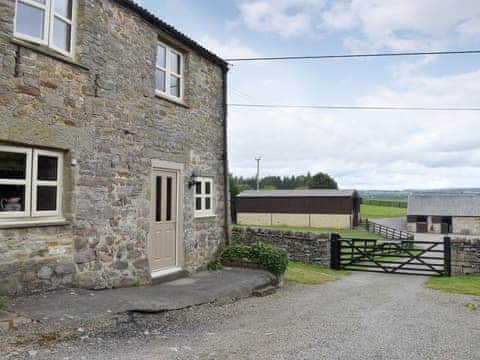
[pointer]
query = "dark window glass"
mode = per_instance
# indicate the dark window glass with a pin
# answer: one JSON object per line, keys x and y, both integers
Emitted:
{"x": 12, "y": 165}
{"x": 62, "y": 33}
{"x": 169, "y": 198}
{"x": 198, "y": 188}
{"x": 208, "y": 203}
{"x": 158, "y": 202}
{"x": 174, "y": 86}
{"x": 47, "y": 168}
{"x": 12, "y": 198}
{"x": 46, "y": 198}
{"x": 160, "y": 80}
{"x": 208, "y": 188}
{"x": 161, "y": 56}
{"x": 175, "y": 63}
{"x": 198, "y": 203}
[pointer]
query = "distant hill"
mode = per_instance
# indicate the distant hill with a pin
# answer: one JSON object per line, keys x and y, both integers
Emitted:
{"x": 403, "y": 194}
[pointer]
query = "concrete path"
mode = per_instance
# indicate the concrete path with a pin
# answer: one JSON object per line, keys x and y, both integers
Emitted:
{"x": 362, "y": 316}
{"x": 399, "y": 223}
{"x": 79, "y": 304}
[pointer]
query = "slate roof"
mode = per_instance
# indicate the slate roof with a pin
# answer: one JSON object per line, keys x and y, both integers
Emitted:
{"x": 444, "y": 205}
{"x": 298, "y": 193}
{"x": 170, "y": 30}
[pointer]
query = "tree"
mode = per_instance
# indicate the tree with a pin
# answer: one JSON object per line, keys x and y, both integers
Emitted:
{"x": 235, "y": 188}
{"x": 322, "y": 181}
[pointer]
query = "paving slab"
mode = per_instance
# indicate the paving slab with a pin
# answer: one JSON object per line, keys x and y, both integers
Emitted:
{"x": 201, "y": 288}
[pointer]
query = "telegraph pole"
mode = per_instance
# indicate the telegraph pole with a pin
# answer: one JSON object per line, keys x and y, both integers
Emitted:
{"x": 258, "y": 171}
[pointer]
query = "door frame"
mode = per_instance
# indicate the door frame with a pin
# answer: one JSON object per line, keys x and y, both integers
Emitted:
{"x": 179, "y": 169}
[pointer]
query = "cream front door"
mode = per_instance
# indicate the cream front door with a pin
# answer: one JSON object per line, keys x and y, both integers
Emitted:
{"x": 163, "y": 239}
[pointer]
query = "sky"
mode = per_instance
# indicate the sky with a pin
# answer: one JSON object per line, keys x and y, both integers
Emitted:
{"x": 360, "y": 149}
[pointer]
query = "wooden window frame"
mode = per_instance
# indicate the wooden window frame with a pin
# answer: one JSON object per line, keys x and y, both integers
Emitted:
{"x": 48, "y": 26}
{"x": 168, "y": 73}
{"x": 30, "y": 214}
{"x": 203, "y": 212}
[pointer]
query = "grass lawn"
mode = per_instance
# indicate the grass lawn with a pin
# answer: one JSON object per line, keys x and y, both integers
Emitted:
{"x": 465, "y": 284}
{"x": 311, "y": 274}
{"x": 379, "y": 212}
{"x": 346, "y": 233}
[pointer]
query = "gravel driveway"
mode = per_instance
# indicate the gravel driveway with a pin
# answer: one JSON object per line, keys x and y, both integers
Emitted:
{"x": 362, "y": 316}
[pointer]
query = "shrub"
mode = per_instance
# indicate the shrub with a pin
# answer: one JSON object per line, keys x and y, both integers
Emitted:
{"x": 3, "y": 302}
{"x": 269, "y": 257}
{"x": 214, "y": 265}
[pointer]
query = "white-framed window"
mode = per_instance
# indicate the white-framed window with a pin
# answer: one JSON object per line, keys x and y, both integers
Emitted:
{"x": 30, "y": 184}
{"x": 169, "y": 72}
{"x": 47, "y": 22}
{"x": 204, "y": 197}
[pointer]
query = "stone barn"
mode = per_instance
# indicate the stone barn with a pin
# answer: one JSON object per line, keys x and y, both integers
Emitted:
{"x": 321, "y": 208}
{"x": 444, "y": 213}
{"x": 113, "y": 155}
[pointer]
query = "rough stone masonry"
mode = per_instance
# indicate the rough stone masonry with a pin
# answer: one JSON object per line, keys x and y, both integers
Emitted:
{"x": 101, "y": 110}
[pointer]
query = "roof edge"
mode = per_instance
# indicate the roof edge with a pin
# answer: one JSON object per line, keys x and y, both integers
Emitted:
{"x": 170, "y": 30}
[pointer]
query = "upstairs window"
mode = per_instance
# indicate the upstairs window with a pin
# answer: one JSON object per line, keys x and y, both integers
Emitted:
{"x": 47, "y": 22}
{"x": 169, "y": 72}
{"x": 30, "y": 183}
{"x": 204, "y": 197}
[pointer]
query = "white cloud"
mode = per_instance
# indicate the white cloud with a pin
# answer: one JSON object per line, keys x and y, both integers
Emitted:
{"x": 227, "y": 49}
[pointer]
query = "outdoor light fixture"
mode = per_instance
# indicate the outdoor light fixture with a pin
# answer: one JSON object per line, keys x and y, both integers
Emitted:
{"x": 193, "y": 180}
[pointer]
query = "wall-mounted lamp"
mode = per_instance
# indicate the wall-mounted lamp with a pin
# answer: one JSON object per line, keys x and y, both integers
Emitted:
{"x": 193, "y": 180}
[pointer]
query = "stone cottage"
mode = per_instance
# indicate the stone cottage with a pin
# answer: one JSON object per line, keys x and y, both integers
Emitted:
{"x": 113, "y": 166}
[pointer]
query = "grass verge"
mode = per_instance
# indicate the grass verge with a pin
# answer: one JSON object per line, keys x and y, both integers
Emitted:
{"x": 311, "y": 274}
{"x": 381, "y": 212}
{"x": 465, "y": 284}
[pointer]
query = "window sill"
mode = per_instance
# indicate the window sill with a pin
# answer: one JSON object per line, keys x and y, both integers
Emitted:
{"x": 41, "y": 49}
{"x": 200, "y": 217}
{"x": 19, "y": 224}
{"x": 171, "y": 100}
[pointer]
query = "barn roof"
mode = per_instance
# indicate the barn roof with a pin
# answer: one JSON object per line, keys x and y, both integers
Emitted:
{"x": 298, "y": 193}
{"x": 444, "y": 204}
{"x": 174, "y": 33}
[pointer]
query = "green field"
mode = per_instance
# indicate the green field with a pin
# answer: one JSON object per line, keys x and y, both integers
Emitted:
{"x": 311, "y": 274}
{"x": 346, "y": 233}
{"x": 380, "y": 212}
{"x": 466, "y": 284}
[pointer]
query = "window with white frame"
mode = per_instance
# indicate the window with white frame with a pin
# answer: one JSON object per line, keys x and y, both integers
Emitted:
{"x": 204, "y": 197}
{"x": 169, "y": 72}
{"x": 47, "y": 22}
{"x": 30, "y": 183}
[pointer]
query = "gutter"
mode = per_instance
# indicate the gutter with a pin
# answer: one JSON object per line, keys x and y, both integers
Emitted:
{"x": 226, "y": 186}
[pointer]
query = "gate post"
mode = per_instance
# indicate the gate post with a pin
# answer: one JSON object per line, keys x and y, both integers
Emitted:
{"x": 447, "y": 254}
{"x": 335, "y": 248}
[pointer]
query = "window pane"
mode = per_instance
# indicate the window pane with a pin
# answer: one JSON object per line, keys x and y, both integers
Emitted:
{"x": 174, "y": 86}
{"x": 30, "y": 21}
{"x": 160, "y": 80}
{"x": 158, "y": 200}
{"x": 198, "y": 188}
{"x": 208, "y": 203}
{"x": 40, "y": 1}
{"x": 169, "y": 198}
{"x": 12, "y": 198}
{"x": 61, "y": 35}
{"x": 198, "y": 203}
{"x": 12, "y": 165}
{"x": 47, "y": 168}
{"x": 208, "y": 188}
{"x": 64, "y": 8}
{"x": 46, "y": 198}
{"x": 161, "y": 56}
{"x": 175, "y": 63}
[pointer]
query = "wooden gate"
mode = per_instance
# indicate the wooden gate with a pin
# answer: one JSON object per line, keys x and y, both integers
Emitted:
{"x": 408, "y": 257}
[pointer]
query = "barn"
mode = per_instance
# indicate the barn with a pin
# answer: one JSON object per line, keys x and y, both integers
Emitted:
{"x": 444, "y": 213}
{"x": 321, "y": 208}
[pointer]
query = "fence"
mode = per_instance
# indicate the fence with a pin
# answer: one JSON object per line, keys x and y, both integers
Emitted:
{"x": 387, "y": 232}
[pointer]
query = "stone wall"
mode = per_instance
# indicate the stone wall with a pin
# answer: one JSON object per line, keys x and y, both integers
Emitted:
{"x": 309, "y": 248}
{"x": 466, "y": 225}
{"x": 100, "y": 108}
{"x": 465, "y": 256}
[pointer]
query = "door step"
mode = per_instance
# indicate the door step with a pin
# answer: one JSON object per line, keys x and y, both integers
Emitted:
{"x": 265, "y": 291}
{"x": 172, "y": 276}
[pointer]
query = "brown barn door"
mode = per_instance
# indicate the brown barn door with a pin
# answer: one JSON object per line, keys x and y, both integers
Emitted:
{"x": 163, "y": 241}
{"x": 422, "y": 227}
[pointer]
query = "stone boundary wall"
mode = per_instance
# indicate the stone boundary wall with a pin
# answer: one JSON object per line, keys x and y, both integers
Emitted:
{"x": 465, "y": 256}
{"x": 305, "y": 247}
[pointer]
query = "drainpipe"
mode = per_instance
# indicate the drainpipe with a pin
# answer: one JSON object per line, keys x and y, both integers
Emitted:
{"x": 225, "y": 157}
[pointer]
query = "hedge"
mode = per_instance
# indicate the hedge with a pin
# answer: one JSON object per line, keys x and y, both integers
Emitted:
{"x": 402, "y": 204}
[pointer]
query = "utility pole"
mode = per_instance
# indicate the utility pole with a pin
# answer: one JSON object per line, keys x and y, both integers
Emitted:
{"x": 258, "y": 171}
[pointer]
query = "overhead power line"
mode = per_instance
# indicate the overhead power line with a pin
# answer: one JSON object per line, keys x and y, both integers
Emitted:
{"x": 352, "y": 107}
{"x": 346, "y": 56}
